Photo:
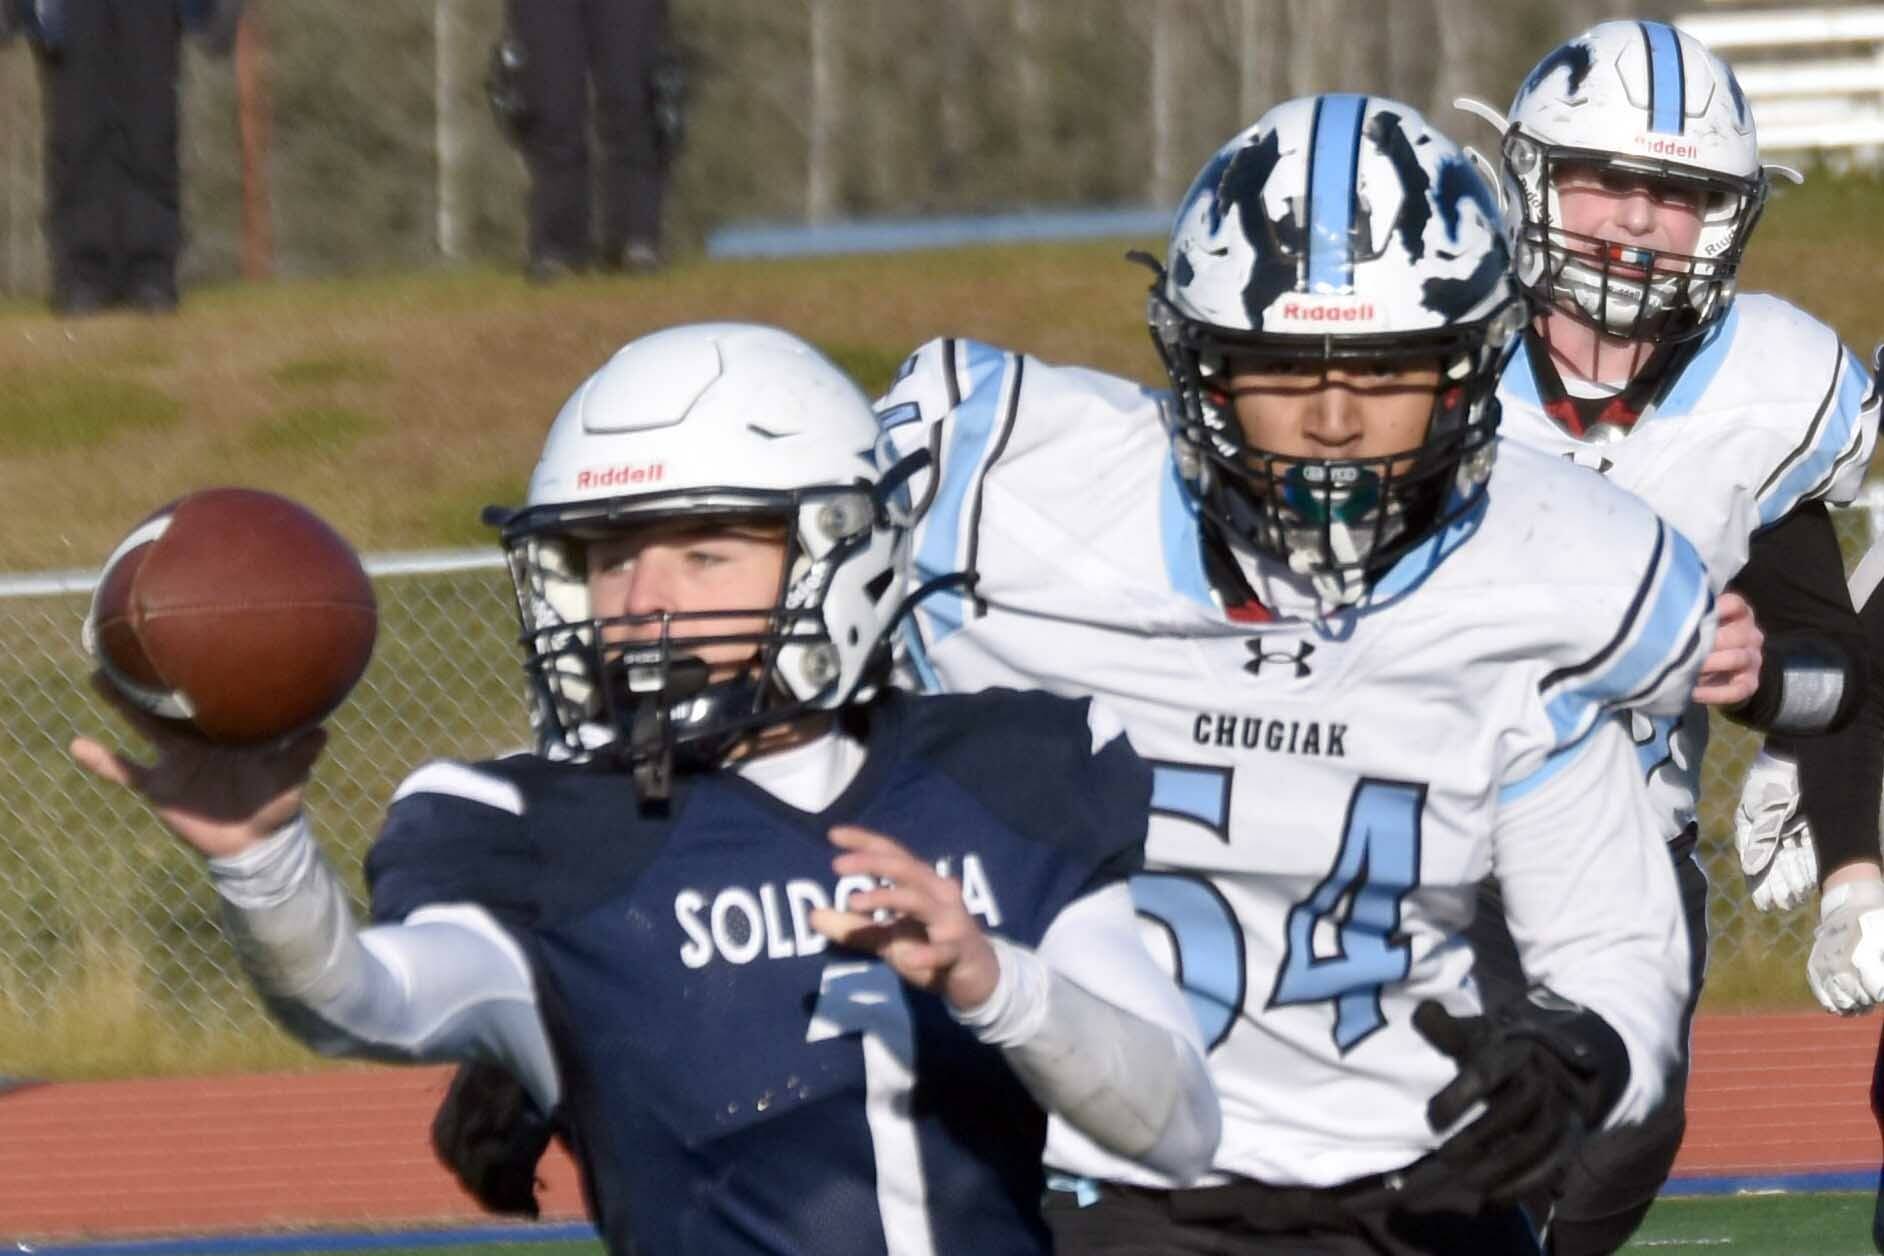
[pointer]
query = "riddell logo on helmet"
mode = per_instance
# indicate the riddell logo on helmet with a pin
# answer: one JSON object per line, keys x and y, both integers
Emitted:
{"x": 627, "y": 473}
{"x": 1664, "y": 146}
{"x": 1328, "y": 312}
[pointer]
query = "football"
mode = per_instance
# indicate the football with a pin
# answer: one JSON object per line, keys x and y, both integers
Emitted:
{"x": 234, "y": 610}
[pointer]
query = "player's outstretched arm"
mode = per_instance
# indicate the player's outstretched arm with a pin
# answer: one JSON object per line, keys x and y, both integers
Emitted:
{"x": 448, "y": 983}
{"x": 1129, "y": 1074}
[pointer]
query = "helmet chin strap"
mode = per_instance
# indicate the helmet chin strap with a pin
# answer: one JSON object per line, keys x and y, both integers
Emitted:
{"x": 658, "y": 743}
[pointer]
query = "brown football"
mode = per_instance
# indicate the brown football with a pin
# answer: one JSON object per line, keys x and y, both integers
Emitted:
{"x": 235, "y": 610}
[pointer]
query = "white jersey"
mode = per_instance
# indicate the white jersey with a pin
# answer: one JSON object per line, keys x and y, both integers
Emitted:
{"x": 1328, "y": 792}
{"x": 1770, "y": 412}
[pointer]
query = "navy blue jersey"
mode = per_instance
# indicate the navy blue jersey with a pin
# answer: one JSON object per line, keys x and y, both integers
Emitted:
{"x": 734, "y": 1083}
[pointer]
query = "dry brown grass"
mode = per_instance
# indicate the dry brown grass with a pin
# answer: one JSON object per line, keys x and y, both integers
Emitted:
{"x": 397, "y": 406}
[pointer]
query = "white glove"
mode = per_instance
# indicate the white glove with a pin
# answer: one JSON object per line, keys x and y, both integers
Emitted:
{"x": 1777, "y": 856}
{"x": 1846, "y": 969}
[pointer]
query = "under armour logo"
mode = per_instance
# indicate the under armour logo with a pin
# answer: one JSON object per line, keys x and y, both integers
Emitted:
{"x": 1260, "y": 656}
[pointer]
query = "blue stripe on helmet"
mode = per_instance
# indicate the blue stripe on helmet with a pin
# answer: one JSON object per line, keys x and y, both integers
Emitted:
{"x": 1335, "y": 149}
{"x": 1667, "y": 82}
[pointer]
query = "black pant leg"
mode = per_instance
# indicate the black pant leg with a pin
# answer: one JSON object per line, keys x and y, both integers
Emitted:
{"x": 150, "y": 218}
{"x": 1115, "y": 1225}
{"x": 556, "y": 145}
{"x": 625, "y": 36}
{"x": 82, "y": 151}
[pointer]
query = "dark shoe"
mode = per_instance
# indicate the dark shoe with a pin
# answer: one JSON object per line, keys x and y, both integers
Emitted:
{"x": 153, "y": 298}
{"x": 545, "y": 270}
{"x": 79, "y": 300}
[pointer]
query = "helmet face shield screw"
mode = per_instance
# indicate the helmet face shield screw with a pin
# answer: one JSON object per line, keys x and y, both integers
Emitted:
{"x": 821, "y": 666}
{"x": 843, "y": 517}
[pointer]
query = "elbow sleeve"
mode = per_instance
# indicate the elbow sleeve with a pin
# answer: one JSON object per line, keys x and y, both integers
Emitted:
{"x": 1810, "y": 684}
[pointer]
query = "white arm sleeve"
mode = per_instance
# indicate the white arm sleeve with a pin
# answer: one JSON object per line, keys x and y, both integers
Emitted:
{"x": 448, "y": 983}
{"x": 1125, "y": 1069}
{"x": 1591, "y": 901}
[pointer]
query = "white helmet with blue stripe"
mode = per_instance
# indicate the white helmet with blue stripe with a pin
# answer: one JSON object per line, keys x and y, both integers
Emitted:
{"x": 1339, "y": 229}
{"x": 1642, "y": 99}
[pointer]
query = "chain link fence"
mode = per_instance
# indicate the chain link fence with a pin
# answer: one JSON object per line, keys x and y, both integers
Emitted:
{"x": 110, "y": 945}
{"x": 111, "y": 954}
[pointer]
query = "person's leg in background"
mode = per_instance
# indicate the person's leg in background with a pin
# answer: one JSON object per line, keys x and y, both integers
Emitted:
{"x": 625, "y": 39}
{"x": 556, "y": 142}
{"x": 150, "y": 232}
{"x": 82, "y": 163}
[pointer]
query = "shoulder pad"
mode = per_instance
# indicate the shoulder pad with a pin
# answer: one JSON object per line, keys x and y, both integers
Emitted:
{"x": 454, "y": 833}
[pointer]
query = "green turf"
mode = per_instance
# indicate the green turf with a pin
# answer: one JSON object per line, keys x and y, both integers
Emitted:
{"x": 1759, "y": 1225}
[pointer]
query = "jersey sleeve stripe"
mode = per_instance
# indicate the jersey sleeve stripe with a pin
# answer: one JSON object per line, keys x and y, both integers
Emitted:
{"x": 951, "y": 362}
{"x": 1833, "y": 430}
{"x": 944, "y": 547}
{"x": 1010, "y": 411}
{"x": 1554, "y": 762}
{"x": 1655, "y": 682}
{"x": 1838, "y": 487}
{"x": 1668, "y": 608}
{"x": 1561, "y": 674}
{"x": 458, "y": 781}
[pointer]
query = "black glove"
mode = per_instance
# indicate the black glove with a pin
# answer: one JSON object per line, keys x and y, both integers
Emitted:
{"x": 490, "y": 1134}
{"x": 1548, "y": 1073}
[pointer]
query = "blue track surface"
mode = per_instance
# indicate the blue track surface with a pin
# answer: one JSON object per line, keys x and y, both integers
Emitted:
{"x": 904, "y": 235}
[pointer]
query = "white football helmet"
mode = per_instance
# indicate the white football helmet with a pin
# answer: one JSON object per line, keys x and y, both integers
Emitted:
{"x": 1640, "y": 99}
{"x": 1338, "y": 229}
{"x": 713, "y": 422}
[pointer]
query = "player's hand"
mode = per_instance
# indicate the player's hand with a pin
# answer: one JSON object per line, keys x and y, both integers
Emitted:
{"x": 491, "y": 1135}
{"x": 1846, "y": 968}
{"x": 1731, "y": 671}
{"x": 1777, "y": 855}
{"x": 914, "y": 920}
{"x": 1546, "y": 1072}
{"x": 218, "y": 800}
